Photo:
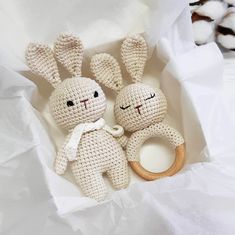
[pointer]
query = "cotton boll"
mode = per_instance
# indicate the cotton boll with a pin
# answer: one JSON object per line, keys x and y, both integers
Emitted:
{"x": 203, "y": 31}
{"x": 194, "y": 4}
{"x": 226, "y": 31}
{"x": 194, "y": 8}
{"x": 230, "y": 2}
{"x": 193, "y": 1}
{"x": 230, "y": 10}
{"x": 206, "y": 17}
{"x": 227, "y": 41}
{"x": 229, "y": 21}
{"x": 212, "y": 9}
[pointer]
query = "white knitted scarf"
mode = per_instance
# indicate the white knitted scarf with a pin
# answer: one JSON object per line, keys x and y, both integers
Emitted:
{"x": 72, "y": 145}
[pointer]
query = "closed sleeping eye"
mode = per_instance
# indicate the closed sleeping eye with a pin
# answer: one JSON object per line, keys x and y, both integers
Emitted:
{"x": 151, "y": 96}
{"x": 124, "y": 107}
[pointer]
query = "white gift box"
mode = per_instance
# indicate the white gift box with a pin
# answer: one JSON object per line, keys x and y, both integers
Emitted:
{"x": 34, "y": 200}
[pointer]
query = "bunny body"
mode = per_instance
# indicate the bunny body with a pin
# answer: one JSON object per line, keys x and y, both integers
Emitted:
{"x": 139, "y": 108}
{"x": 77, "y": 104}
{"x": 98, "y": 152}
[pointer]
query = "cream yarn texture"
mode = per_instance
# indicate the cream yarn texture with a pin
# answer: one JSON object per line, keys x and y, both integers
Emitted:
{"x": 139, "y": 108}
{"x": 40, "y": 59}
{"x": 107, "y": 71}
{"x": 160, "y": 130}
{"x": 75, "y": 101}
{"x": 138, "y": 105}
{"x": 134, "y": 54}
{"x": 86, "y": 108}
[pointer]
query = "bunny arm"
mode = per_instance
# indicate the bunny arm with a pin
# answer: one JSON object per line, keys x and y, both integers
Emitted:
{"x": 61, "y": 160}
{"x": 122, "y": 140}
{"x": 117, "y": 132}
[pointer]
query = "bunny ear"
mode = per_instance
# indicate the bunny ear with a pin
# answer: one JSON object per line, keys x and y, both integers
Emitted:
{"x": 134, "y": 56}
{"x": 69, "y": 52}
{"x": 107, "y": 71}
{"x": 41, "y": 61}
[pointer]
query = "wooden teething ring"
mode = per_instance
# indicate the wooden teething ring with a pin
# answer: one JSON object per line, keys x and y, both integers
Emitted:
{"x": 175, "y": 167}
{"x": 161, "y": 130}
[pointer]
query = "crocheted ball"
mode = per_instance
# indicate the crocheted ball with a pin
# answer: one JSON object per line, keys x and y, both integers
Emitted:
{"x": 77, "y": 100}
{"x": 138, "y": 106}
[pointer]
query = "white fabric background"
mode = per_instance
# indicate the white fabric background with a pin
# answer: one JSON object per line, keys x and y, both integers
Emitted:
{"x": 34, "y": 200}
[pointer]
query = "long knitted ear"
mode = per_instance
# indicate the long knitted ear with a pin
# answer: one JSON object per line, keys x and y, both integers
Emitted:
{"x": 107, "y": 71}
{"x": 41, "y": 61}
{"x": 69, "y": 52}
{"x": 134, "y": 56}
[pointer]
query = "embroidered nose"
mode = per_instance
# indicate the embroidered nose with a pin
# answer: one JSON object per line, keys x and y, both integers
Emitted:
{"x": 84, "y": 102}
{"x": 138, "y": 108}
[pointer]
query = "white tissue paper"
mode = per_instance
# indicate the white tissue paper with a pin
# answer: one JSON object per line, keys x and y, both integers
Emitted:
{"x": 34, "y": 200}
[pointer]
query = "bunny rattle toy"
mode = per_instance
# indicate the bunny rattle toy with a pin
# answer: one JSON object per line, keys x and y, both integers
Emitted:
{"x": 139, "y": 108}
{"x": 78, "y": 104}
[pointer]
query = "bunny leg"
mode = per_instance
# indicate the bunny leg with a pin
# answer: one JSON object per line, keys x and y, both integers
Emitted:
{"x": 92, "y": 184}
{"x": 119, "y": 176}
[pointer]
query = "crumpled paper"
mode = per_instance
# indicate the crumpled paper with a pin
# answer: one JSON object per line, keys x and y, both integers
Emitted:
{"x": 34, "y": 200}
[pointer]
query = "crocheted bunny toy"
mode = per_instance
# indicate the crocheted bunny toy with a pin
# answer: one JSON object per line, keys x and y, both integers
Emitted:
{"x": 139, "y": 108}
{"x": 78, "y": 104}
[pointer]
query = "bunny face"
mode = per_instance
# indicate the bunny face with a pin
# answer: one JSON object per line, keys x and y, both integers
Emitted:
{"x": 138, "y": 106}
{"x": 77, "y": 100}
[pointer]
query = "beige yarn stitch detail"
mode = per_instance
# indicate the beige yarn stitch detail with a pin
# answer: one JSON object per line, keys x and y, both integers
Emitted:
{"x": 61, "y": 161}
{"x": 69, "y": 52}
{"x": 123, "y": 140}
{"x": 107, "y": 71}
{"x": 41, "y": 61}
{"x": 77, "y": 90}
{"x": 98, "y": 153}
{"x": 152, "y": 110}
{"x": 157, "y": 130}
{"x": 134, "y": 56}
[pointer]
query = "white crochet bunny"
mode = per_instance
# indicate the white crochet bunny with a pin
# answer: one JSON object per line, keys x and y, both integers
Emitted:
{"x": 139, "y": 108}
{"x": 78, "y": 104}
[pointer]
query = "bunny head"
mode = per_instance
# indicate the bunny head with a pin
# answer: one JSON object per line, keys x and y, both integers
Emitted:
{"x": 75, "y": 100}
{"x": 137, "y": 105}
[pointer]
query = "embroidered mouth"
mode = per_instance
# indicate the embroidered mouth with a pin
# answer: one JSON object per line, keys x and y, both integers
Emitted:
{"x": 138, "y": 108}
{"x": 84, "y": 102}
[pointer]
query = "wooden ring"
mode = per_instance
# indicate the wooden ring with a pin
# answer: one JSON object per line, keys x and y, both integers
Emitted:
{"x": 175, "y": 167}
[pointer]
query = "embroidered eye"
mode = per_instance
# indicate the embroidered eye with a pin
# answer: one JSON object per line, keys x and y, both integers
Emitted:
{"x": 96, "y": 94}
{"x": 122, "y": 107}
{"x": 151, "y": 96}
{"x": 70, "y": 103}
